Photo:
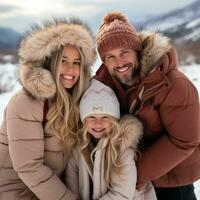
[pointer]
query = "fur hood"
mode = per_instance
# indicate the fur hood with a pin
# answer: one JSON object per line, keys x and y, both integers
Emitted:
{"x": 154, "y": 46}
{"x": 131, "y": 132}
{"x": 41, "y": 42}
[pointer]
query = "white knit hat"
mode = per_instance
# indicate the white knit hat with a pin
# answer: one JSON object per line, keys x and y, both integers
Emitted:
{"x": 99, "y": 99}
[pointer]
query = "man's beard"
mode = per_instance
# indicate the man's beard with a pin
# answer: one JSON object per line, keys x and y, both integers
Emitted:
{"x": 126, "y": 79}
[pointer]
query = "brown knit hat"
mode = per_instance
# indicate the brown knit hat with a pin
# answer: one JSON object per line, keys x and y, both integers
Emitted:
{"x": 115, "y": 32}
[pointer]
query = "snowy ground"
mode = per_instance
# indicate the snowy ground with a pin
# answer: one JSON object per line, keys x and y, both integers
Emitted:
{"x": 193, "y": 72}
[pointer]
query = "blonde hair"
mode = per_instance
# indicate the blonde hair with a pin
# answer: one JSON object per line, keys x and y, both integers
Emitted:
{"x": 112, "y": 152}
{"x": 63, "y": 113}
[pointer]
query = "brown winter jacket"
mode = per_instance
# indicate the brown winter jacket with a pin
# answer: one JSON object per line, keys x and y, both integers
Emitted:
{"x": 32, "y": 158}
{"x": 168, "y": 105}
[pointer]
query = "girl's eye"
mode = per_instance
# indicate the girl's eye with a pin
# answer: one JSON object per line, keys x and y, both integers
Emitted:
{"x": 105, "y": 117}
{"x": 91, "y": 117}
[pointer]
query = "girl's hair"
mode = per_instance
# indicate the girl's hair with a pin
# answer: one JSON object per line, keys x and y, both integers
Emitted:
{"x": 63, "y": 114}
{"x": 112, "y": 151}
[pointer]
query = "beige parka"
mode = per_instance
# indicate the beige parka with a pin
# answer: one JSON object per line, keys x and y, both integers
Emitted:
{"x": 32, "y": 158}
{"x": 80, "y": 168}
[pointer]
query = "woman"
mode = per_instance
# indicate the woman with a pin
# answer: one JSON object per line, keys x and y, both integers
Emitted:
{"x": 55, "y": 62}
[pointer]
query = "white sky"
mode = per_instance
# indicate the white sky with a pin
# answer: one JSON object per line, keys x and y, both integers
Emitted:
{"x": 20, "y": 14}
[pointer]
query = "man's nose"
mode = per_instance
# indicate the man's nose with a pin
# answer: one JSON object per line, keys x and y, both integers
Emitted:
{"x": 119, "y": 62}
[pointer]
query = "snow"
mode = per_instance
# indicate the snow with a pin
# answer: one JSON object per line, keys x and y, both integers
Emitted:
{"x": 193, "y": 72}
{"x": 171, "y": 21}
{"x": 194, "y": 23}
{"x": 194, "y": 35}
{"x": 8, "y": 76}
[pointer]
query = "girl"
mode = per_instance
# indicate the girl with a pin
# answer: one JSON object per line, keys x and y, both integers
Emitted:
{"x": 55, "y": 62}
{"x": 102, "y": 165}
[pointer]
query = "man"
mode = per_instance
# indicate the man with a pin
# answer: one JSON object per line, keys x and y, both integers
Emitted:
{"x": 142, "y": 69}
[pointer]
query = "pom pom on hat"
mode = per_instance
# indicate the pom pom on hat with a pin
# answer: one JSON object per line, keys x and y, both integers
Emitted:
{"x": 110, "y": 17}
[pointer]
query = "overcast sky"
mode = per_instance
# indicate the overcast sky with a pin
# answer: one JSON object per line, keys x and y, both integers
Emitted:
{"x": 20, "y": 14}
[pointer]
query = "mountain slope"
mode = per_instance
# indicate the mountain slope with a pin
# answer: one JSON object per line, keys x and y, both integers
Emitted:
{"x": 9, "y": 39}
{"x": 183, "y": 27}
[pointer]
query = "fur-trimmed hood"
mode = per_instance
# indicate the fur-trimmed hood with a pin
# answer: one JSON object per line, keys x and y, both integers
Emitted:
{"x": 41, "y": 42}
{"x": 131, "y": 132}
{"x": 154, "y": 46}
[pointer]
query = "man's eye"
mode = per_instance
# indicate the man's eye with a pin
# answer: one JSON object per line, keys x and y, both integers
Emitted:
{"x": 124, "y": 52}
{"x": 110, "y": 57}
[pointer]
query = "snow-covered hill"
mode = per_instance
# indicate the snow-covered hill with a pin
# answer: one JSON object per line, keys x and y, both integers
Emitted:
{"x": 7, "y": 77}
{"x": 181, "y": 24}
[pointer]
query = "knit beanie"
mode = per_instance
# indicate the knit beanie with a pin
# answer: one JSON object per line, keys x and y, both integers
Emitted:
{"x": 99, "y": 99}
{"x": 114, "y": 32}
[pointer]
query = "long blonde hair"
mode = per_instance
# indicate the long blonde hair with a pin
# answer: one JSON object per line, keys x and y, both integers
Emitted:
{"x": 112, "y": 149}
{"x": 63, "y": 113}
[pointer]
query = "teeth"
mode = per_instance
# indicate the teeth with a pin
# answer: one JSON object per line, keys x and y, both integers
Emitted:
{"x": 67, "y": 77}
{"x": 98, "y": 130}
{"x": 122, "y": 69}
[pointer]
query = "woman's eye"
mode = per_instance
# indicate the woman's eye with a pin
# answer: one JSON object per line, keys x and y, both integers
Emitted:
{"x": 64, "y": 61}
{"x": 77, "y": 63}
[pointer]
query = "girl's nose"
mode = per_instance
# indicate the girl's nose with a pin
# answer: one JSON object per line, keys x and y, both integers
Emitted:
{"x": 98, "y": 122}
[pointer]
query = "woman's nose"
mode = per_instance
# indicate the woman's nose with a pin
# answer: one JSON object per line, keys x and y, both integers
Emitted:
{"x": 68, "y": 67}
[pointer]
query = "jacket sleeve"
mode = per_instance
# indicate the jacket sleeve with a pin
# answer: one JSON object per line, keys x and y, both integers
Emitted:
{"x": 26, "y": 148}
{"x": 72, "y": 171}
{"x": 180, "y": 115}
{"x": 123, "y": 183}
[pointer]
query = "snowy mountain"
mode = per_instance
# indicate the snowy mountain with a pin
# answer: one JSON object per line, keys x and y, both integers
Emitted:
{"x": 9, "y": 39}
{"x": 182, "y": 24}
{"x": 183, "y": 27}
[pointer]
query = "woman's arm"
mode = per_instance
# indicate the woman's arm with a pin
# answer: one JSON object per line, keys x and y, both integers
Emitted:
{"x": 72, "y": 172}
{"x": 26, "y": 147}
